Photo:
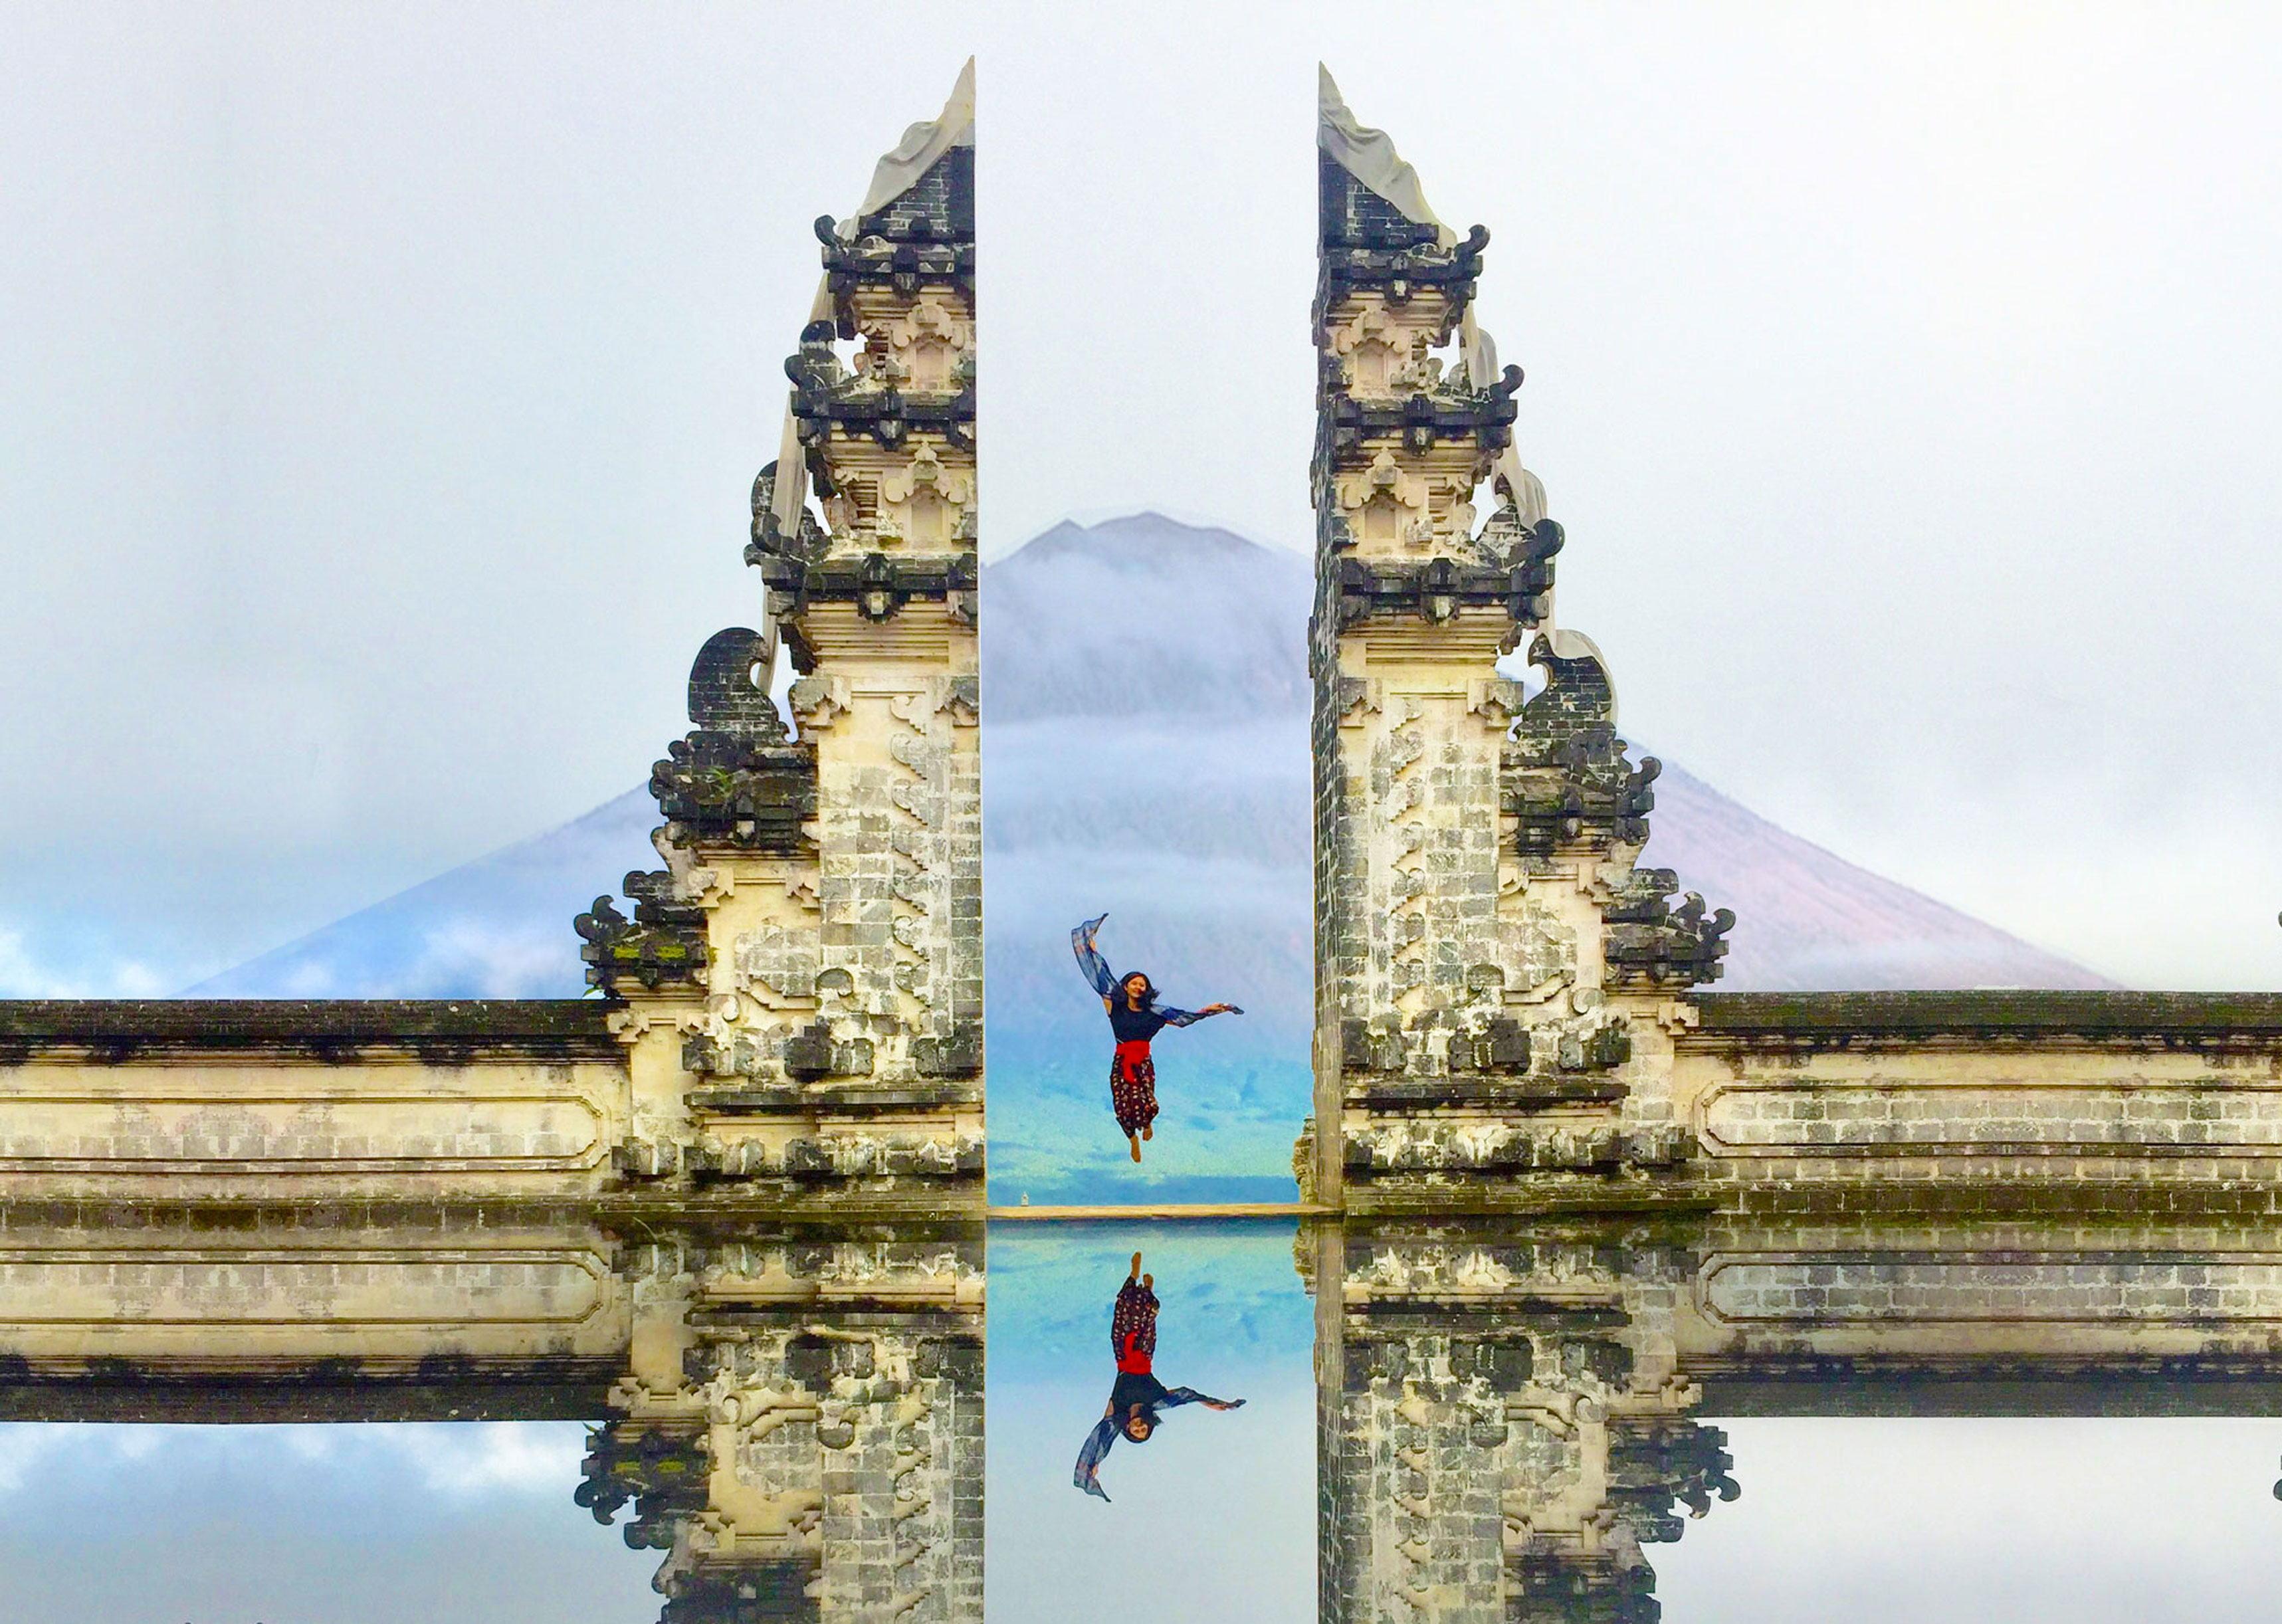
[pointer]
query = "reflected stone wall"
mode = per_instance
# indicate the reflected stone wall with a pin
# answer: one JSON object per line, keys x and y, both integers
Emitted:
{"x": 792, "y": 1418}
{"x": 1986, "y": 1316}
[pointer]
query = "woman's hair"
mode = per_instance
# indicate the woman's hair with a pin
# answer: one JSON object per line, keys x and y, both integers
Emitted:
{"x": 1147, "y": 1418}
{"x": 1148, "y": 987}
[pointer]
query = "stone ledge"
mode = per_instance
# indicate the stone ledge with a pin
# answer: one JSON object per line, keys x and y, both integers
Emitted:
{"x": 334, "y": 1028}
{"x": 1380, "y": 1091}
{"x": 1984, "y": 1198}
{"x": 1919, "y": 1386}
{"x": 1549, "y": 1193}
{"x": 539, "y": 1389}
{"x": 2160, "y": 1017}
{"x": 850, "y": 1100}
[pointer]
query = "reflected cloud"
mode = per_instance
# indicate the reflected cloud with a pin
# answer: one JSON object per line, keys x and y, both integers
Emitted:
{"x": 1987, "y": 1521}
{"x": 463, "y": 1460}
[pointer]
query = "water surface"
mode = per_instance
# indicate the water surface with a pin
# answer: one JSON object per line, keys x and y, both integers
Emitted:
{"x": 1508, "y": 1424}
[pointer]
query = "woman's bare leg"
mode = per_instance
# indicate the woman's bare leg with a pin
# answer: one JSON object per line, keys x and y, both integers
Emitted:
{"x": 1135, "y": 1141}
{"x": 1148, "y": 1130}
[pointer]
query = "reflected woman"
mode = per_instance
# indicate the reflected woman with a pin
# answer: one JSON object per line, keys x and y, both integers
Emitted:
{"x": 1135, "y": 1017}
{"x": 1137, "y": 1395}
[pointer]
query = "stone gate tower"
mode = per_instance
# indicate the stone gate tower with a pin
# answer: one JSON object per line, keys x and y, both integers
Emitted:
{"x": 1496, "y": 980}
{"x": 802, "y": 985}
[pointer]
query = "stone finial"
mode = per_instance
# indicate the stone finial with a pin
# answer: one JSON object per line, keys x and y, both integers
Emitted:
{"x": 729, "y": 687}
{"x": 666, "y": 947}
{"x": 1375, "y": 230}
{"x": 736, "y": 779}
{"x": 1368, "y": 155}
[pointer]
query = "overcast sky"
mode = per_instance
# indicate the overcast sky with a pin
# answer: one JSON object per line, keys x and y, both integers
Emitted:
{"x": 380, "y": 389}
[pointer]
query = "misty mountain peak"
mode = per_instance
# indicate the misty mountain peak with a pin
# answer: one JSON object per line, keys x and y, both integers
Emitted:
{"x": 1143, "y": 615}
{"x": 1145, "y": 539}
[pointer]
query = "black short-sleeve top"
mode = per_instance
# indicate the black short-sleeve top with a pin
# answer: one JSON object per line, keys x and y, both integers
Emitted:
{"x": 1136, "y": 1387}
{"x": 1134, "y": 1025}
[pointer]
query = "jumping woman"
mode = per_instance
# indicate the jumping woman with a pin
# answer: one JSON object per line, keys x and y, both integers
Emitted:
{"x": 1137, "y": 1395}
{"x": 1135, "y": 1017}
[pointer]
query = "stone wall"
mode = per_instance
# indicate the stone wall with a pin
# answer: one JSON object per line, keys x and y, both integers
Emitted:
{"x": 2124, "y": 1104}
{"x": 792, "y": 1009}
{"x": 249, "y": 1101}
{"x": 1507, "y": 1016}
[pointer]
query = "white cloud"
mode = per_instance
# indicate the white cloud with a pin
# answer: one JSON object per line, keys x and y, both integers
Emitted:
{"x": 24, "y": 976}
{"x": 459, "y": 1459}
{"x": 499, "y": 962}
{"x": 1878, "y": 359}
{"x": 483, "y": 1457}
{"x": 31, "y": 1449}
{"x": 21, "y": 1448}
{"x": 2095, "y": 1521}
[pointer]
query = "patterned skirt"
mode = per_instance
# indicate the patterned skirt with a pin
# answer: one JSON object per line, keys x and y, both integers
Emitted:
{"x": 1133, "y": 1087}
{"x": 1135, "y": 1312}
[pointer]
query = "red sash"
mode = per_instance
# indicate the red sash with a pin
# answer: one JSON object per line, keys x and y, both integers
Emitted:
{"x": 1131, "y": 1055}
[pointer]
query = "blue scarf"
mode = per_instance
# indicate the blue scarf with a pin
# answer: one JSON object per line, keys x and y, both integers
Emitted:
{"x": 1095, "y": 969}
{"x": 1088, "y": 1473}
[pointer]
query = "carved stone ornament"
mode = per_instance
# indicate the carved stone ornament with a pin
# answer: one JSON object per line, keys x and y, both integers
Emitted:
{"x": 924, "y": 350}
{"x": 1386, "y": 503}
{"x": 925, "y": 503}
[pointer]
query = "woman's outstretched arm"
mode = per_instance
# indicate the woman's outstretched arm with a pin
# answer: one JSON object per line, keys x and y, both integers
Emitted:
{"x": 1189, "y": 1017}
{"x": 1090, "y": 964}
{"x": 1087, "y": 1473}
{"x": 1177, "y": 1397}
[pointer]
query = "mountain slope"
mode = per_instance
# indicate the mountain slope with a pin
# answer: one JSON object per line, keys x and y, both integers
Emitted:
{"x": 1142, "y": 617}
{"x": 1809, "y": 921}
{"x": 497, "y": 927}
